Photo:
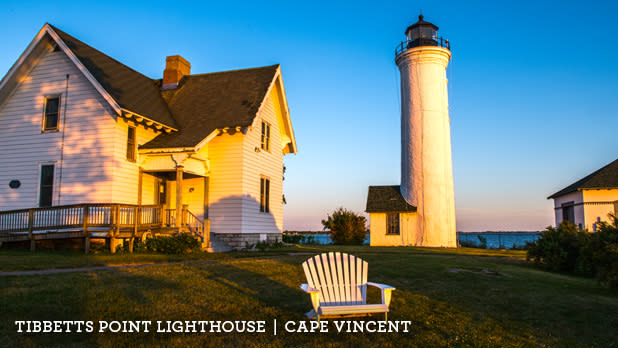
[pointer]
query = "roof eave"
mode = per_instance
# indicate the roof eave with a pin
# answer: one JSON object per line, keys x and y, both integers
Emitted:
{"x": 287, "y": 120}
{"x": 130, "y": 115}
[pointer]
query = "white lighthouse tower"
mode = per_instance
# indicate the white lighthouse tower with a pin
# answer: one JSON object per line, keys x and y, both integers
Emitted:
{"x": 420, "y": 211}
{"x": 426, "y": 165}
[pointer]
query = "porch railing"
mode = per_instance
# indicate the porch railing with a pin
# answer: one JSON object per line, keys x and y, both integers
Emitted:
{"x": 91, "y": 215}
{"x": 199, "y": 228}
{"x": 79, "y": 220}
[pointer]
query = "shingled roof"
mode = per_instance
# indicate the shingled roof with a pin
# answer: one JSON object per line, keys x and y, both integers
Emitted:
{"x": 387, "y": 199}
{"x": 203, "y": 103}
{"x": 604, "y": 178}
{"x": 130, "y": 89}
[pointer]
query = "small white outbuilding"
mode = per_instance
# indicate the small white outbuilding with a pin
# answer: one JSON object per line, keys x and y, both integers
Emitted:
{"x": 590, "y": 199}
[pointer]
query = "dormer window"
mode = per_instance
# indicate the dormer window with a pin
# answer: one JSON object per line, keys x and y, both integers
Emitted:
{"x": 51, "y": 113}
{"x": 265, "y": 140}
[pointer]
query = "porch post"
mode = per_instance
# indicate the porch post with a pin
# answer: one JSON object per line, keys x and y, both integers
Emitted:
{"x": 179, "y": 171}
{"x": 139, "y": 185}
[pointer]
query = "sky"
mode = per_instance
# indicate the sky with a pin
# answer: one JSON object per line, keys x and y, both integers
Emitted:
{"x": 533, "y": 88}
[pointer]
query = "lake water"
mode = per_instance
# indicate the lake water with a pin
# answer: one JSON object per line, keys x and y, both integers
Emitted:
{"x": 497, "y": 240}
{"x": 494, "y": 240}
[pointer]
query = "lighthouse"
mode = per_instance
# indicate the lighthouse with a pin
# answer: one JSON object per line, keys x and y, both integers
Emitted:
{"x": 420, "y": 211}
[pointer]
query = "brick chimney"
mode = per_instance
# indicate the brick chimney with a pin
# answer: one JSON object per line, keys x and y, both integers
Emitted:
{"x": 175, "y": 68}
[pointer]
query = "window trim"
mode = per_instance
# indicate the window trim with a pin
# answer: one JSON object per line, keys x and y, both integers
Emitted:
{"x": 265, "y": 138}
{"x": 46, "y": 98}
{"x": 264, "y": 194}
{"x": 39, "y": 187}
{"x": 134, "y": 141}
{"x": 569, "y": 207}
{"x": 388, "y": 224}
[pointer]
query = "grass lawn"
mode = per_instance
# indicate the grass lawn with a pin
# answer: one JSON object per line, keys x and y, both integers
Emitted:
{"x": 519, "y": 307}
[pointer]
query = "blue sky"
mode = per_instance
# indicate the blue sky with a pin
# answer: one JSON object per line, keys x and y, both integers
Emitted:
{"x": 533, "y": 88}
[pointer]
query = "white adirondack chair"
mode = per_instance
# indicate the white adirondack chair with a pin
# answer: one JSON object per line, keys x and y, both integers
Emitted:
{"x": 337, "y": 284}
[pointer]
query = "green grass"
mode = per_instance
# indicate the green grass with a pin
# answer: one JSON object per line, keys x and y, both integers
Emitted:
{"x": 520, "y": 307}
{"x": 22, "y": 260}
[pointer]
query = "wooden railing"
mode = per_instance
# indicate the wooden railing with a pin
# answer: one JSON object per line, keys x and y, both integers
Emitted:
{"x": 79, "y": 220}
{"x": 194, "y": 224}
{"x": 80, "y": 216}
{"x": 199, "y": 228}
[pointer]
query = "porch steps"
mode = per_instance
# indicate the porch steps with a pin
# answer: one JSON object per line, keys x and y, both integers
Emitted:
{"x": 217, "y": 245}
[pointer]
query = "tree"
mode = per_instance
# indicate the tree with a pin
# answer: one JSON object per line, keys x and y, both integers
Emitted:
{"x": 346, "y": 227}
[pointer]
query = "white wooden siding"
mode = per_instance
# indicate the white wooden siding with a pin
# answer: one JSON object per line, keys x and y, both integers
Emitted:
{"x": 192, "y": 195}
{"x": 263, "y": 163}
{"x": 89, "y": 127}
{"x": 225, "y": 202}
{"x": 148, "y": 188}
{"x": 126, "y": 173}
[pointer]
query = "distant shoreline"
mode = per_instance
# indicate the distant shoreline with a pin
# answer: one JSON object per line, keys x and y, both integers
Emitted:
{"x": 501, "y": 232}
{"x": 459, "y": 232}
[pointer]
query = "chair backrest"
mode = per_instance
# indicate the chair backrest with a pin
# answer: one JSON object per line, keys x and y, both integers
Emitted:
{"x": 341, "y": 278}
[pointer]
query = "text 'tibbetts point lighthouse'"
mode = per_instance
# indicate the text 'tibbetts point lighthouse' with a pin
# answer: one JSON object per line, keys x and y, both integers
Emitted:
{"x": 421, "y": 211}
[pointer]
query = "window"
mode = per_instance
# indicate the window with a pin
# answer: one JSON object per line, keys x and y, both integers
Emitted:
{"x": 392, "y": 223}
{"x": 131, "y": 153}
{"x": 264, "y": 195}
{"x": 265, "y": 136}
{"x": 46, "y": 188}
{"x": 50, "y": 114}
{"x": 568, "y": 212}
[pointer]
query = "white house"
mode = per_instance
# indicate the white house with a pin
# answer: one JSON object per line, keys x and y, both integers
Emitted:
{"x": 77, "y": 126}
{"x": 590, "y": 199}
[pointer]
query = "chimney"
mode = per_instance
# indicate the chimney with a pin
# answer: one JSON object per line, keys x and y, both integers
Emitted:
{"x": 175, "y": 68}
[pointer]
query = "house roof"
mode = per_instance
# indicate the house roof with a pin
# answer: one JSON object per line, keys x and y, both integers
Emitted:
{"x": 129, "y": 88}
{"x": 604, "y": 178}
{"x": 384, "y": 199}
{"x": 203, "y": 103}
{"x": 189, "y": 115}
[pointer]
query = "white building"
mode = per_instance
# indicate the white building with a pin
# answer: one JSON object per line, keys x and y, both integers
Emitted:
{"x": 590, "y": 199}
{"x": 421, "y": 211}
{"x": 77, "y": 126}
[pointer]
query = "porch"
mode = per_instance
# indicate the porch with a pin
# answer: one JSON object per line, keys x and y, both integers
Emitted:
{"x": 110, "y": 221}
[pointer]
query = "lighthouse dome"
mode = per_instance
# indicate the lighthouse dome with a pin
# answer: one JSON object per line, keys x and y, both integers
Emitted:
{"x": 422, "y": 33}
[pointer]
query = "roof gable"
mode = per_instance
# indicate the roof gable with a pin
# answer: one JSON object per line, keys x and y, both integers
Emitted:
{"x": 129, "y": 88}
{"x": 197, "y": 110}
{"x": 122, "y": 87}
{"x": 604, "y": 178}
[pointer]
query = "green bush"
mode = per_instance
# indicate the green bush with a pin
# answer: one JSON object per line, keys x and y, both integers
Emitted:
{"x": 346, "y": 227}
{"x": 178, "y": 244}
{"x": 558, "y": 249}
{"x": 601, "y": 252}
{"x": 298, "y": 239}
{"x": 292, "y": 238}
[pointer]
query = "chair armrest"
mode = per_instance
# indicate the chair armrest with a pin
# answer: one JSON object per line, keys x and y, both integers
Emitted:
{"x": 315, "y": 296}
{"x": 386, "y": 292}
{"x": 306, "y": 288}
{"x": 381, "y": 286}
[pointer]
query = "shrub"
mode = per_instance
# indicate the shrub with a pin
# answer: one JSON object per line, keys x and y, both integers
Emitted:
{"x": 601, "y": 253}
{"x": 178, "y": 244}
{"x": 558, "y": 248}
{"x": 346, "y": 227}
{"x": 292, "y": 238}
